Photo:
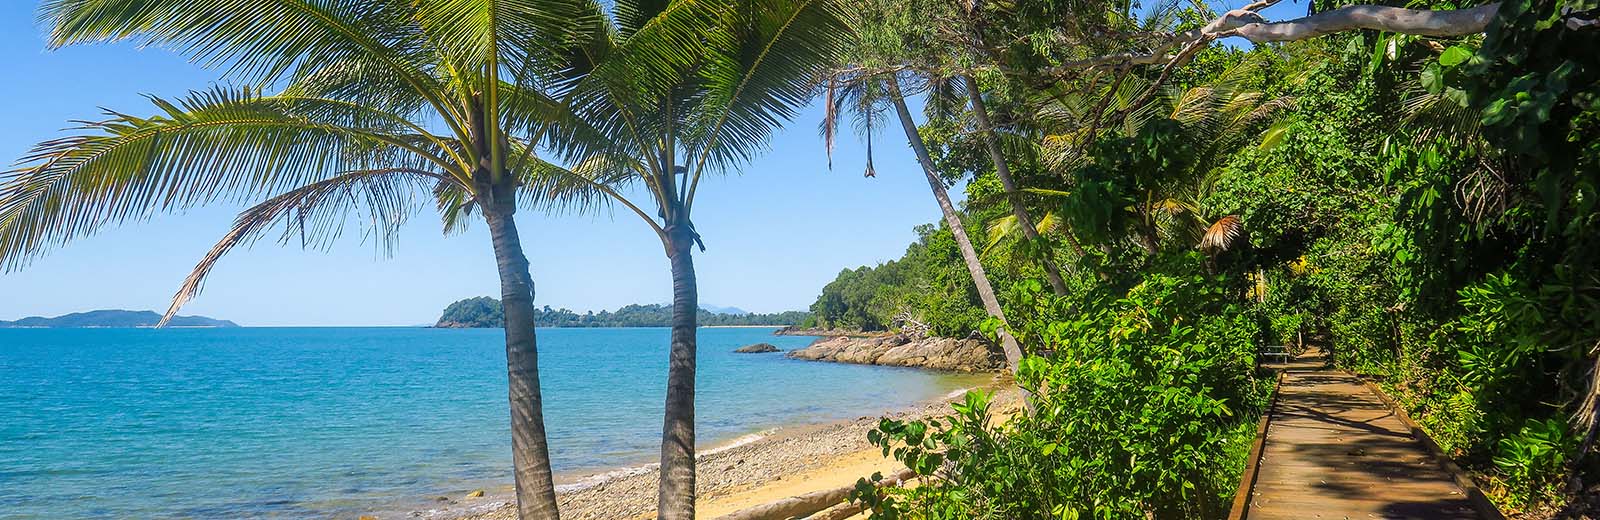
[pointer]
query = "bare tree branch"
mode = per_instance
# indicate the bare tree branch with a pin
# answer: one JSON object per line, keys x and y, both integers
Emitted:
{"x": 1248, "y": 24}
{"x": 1459, "y": 22}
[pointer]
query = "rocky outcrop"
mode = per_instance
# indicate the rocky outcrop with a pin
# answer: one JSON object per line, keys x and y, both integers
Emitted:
{"x": 758, "y": 348}
{"x": 963, "y": 355}
{"x": 794, "y": 330}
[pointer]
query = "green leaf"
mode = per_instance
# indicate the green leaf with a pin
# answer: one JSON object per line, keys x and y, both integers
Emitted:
{"x": 1274, "y": 135}
{"x": 1455, "y": 55}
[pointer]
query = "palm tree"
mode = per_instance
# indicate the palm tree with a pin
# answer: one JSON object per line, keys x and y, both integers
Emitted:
{"x": 1025, "y": 222}
{"x": 674, "y": 91}
{"x": 890, "y": 39}
{"x": 1210, "y": 121}
{"x": 980, "y": 279}
{"x": 385, "y": 105}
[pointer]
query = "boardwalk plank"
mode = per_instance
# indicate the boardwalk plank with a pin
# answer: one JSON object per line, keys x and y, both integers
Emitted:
{"x": 1335, "y": 450}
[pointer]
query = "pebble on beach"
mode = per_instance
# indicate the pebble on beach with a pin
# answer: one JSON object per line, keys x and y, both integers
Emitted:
{"x": 787, "y": 452}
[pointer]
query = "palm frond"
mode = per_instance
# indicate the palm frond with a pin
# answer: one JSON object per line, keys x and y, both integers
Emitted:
{"x": 317, "y": 213}
{"x": 777, "y": 52}
{"x": 208, "y": 146}
{"x": 1194, "y": 105}
{"x": 1274, "y": 135}
{"x": 1050, "y": 192}
{"x": 525, "y": 36}
{"x": 259, "y": 41}
{"x": 1000, "y": 230}
{"x": 455, "y": 206}
{"x": 1008, "y": 227}
{"x": 633, "y": 15}
{"x": 1444, "y": 115}
{"x": 1220, "y": 235}
{"x": 829, "y": 127}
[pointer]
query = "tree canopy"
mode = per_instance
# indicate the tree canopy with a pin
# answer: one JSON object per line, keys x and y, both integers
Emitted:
{"x": 484, "y": 312}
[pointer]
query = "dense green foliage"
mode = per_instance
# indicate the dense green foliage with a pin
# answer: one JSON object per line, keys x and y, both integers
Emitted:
{"x": 484, "y": 311}
{"x": 1424, "y": 209}
{"x": 1143, "y": 403}
{"x": 928, "y": 284}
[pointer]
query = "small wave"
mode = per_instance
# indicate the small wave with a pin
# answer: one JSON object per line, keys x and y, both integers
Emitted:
{"x": 958, "y": 393}
{"x": 608, "y": 476}
{"x": 601, "y": 478}
{"x": 741, "y": 441}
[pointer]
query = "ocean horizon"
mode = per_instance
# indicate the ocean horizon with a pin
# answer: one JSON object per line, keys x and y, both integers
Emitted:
{"x": 294, "y": 422}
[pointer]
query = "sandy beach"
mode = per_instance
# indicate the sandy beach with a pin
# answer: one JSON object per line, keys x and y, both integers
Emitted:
{"x": 750, "y": 471}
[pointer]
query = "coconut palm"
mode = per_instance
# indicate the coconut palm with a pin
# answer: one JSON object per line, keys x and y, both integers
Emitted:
{"x": 1209, "y": 121}
{"x": 1019, "y": 212}
{"x": 673, "y": 92}
{"x": 889, "y": 42}
{"x": 382, "y": 106}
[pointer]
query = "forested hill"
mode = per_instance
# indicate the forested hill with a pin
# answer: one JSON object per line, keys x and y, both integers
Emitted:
{"x": 484, "y": 311}
{"x": 113, "y": 319}
{"x": 928, "y": 284}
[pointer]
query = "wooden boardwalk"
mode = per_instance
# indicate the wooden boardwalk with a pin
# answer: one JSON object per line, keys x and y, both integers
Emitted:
{"x": 1334, "y": 450}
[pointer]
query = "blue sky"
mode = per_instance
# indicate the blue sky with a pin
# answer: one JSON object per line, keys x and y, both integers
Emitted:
{"x": 776, "y": 233}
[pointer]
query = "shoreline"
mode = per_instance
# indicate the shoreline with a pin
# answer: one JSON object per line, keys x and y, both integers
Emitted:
{"x": 748, "y": 470}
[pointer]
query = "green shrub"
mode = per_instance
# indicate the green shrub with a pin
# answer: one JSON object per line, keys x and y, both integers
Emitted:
{"x": 1141, "y": 407}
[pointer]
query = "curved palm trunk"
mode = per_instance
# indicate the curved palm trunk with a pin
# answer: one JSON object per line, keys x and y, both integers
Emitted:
{"x": 981, "y": 113}
{"x": 530, "y": 454}
{"x": 676, "y": 493}
{"x": 968, "y": 254}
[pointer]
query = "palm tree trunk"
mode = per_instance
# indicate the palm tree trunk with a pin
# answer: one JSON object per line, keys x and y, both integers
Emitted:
{"x": 968, "y": 254}
{"x": 981, "y": 113}
{"x": 676, "y": 493}
{"x": 530, "y": 453}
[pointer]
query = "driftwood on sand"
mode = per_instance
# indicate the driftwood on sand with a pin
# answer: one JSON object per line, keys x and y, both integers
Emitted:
{"x": 809, "y": 503}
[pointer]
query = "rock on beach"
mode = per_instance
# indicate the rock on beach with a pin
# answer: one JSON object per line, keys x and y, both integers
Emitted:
{"x": 758, "y": 348}
{"x": 961, "y": 355}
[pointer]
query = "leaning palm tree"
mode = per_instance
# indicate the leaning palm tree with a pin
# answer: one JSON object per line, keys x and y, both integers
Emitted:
{"x": 890, "y": 42}
{"x": 671, "y": 92}
{"x": 383, "y": 106}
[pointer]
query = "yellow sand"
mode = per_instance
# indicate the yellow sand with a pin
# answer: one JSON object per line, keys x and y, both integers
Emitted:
{"x": 840, "y": 472}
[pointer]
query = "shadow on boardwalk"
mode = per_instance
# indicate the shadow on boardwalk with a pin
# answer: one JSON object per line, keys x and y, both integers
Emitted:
{"x": 1335, "y": 450}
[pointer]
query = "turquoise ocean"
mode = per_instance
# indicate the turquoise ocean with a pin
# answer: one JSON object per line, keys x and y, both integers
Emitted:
{"x": 336, "y": 422}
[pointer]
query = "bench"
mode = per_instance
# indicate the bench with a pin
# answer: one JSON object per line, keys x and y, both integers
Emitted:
{"x": 1281, "y": 352}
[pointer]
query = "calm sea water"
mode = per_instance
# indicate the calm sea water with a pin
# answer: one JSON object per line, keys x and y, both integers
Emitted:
{"x": 332, "y": 422}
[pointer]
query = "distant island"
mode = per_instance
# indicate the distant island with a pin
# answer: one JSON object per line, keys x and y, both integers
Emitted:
{"x": 112, "y": 319}
{"x": 485, "y": 312}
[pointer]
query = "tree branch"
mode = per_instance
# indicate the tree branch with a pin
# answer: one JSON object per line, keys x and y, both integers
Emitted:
{"x": 1246, "y": 23}
{"x": 1459, "y": 22}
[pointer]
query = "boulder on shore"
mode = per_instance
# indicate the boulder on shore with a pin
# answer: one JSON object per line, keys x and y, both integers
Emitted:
{"x": 758, "y": 348}
{"x": 962, "y": 355}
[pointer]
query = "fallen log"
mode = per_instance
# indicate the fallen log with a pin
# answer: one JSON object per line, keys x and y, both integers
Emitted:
{"x": 810, "y": 503}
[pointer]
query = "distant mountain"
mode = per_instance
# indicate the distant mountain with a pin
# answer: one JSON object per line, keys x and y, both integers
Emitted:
{"x": 113, "y": 319}
{"x": 486, "y": 312}
{"x": 725, "y": 310}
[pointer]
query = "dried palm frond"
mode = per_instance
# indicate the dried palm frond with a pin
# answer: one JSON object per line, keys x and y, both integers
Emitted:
{"x": 1221, "y": 234}
{"x": 830, "y": 118}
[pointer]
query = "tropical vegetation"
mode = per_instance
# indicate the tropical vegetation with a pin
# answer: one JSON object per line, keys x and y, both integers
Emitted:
{"x": 1420, "y": 205}
{"x": 1412, "y": 190}
{"x": 485, "y": 312}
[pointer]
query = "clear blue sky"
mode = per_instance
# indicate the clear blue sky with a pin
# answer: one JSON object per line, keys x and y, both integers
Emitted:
{"x": 775, "y": 234}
